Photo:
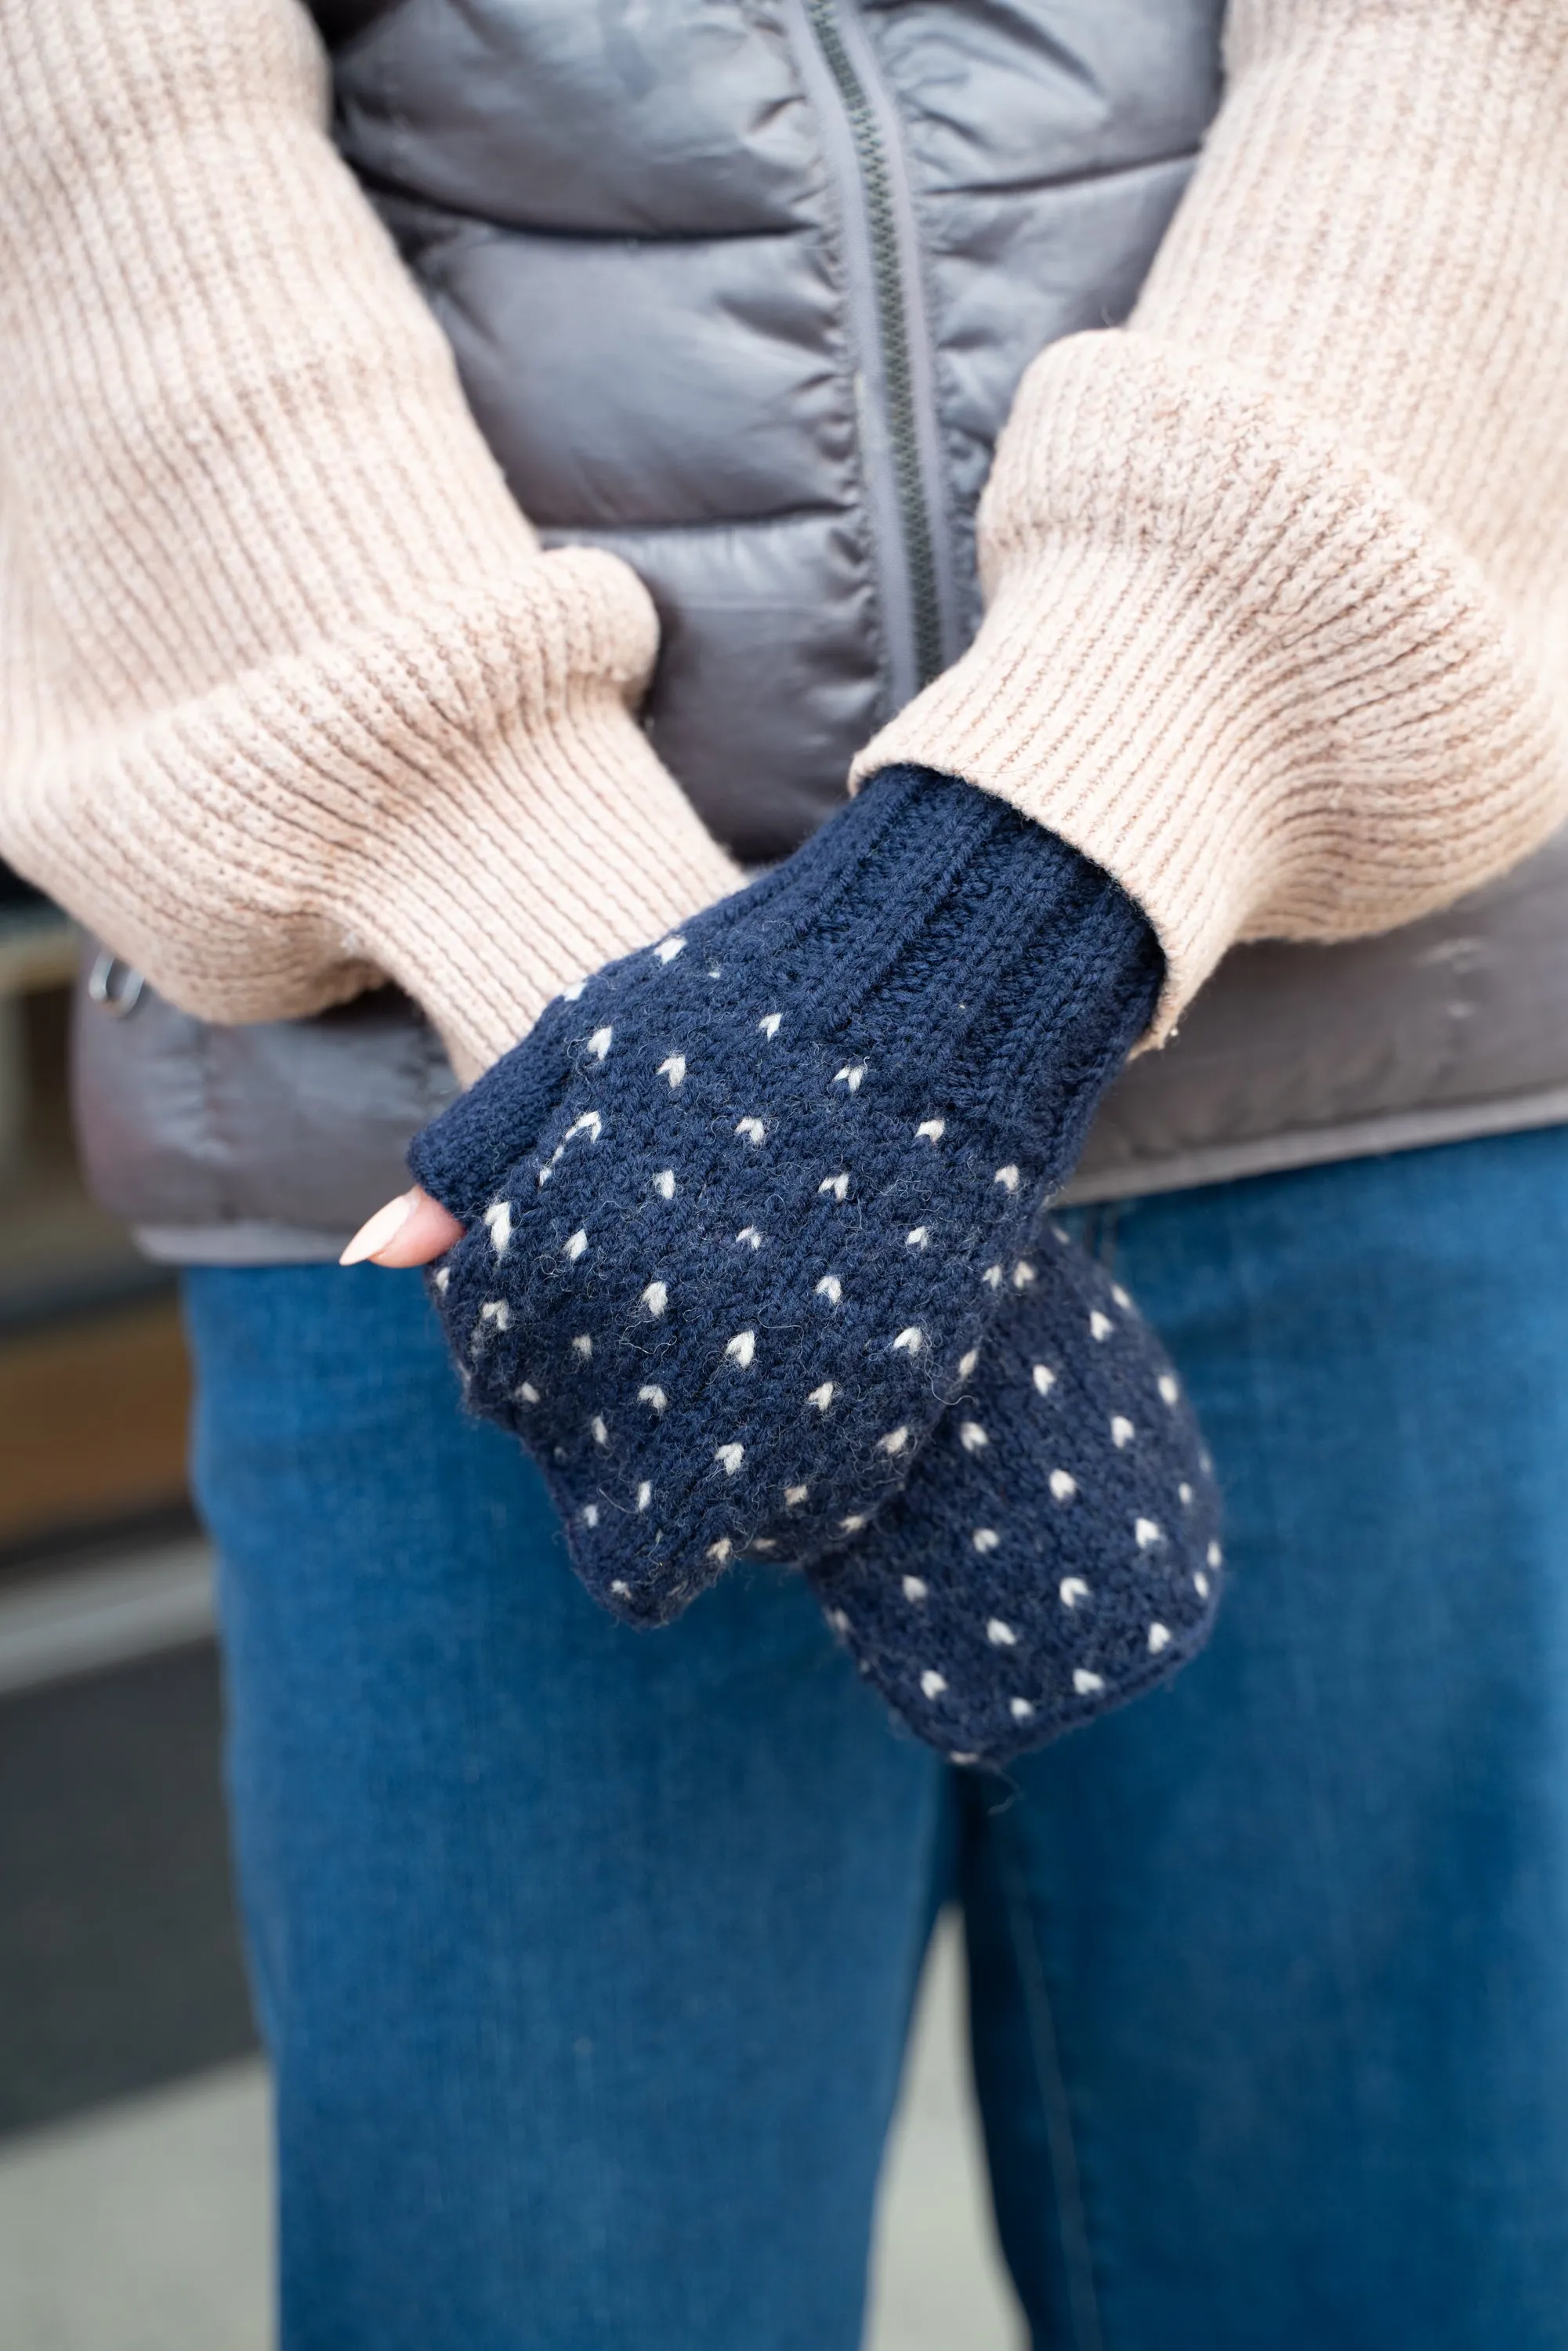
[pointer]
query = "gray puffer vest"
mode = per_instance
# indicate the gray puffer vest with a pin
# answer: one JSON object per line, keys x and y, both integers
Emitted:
{"x": 742, "y": 289}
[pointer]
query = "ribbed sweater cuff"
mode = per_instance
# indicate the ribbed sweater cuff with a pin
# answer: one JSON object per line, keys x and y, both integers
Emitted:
{"x": 1245, "y": 673}
{"x": 461, "y": 802}
{"x": 557, "y": 841}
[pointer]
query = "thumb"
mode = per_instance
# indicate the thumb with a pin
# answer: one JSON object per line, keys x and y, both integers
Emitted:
{"x": 410, "y": 1230}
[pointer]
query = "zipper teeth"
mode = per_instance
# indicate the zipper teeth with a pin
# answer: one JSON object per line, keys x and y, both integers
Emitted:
{"x": 893, "y": 321}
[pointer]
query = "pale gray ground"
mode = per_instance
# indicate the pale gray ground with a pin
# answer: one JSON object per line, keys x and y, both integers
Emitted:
{"x": 145, "y": 2228}
{"x": 938, "y": 2280}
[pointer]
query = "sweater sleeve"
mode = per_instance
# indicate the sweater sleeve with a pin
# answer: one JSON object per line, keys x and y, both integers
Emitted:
{"x": 292, "y": 700}
{"x": 1276, "y": 575}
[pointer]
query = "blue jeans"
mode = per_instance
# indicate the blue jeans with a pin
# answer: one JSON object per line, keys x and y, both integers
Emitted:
{"x": 585, "y": 1956}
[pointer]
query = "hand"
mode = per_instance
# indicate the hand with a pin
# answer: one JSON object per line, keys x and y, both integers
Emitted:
{"x": 1056, "y": 1550}
{"x": 736, "y": 1214}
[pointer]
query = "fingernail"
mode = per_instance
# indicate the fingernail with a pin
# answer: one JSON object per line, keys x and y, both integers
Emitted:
{"x": 378, "y": 1230}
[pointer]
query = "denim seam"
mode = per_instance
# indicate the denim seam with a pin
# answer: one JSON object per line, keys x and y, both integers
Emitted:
{"x": 1072, "y": 2222}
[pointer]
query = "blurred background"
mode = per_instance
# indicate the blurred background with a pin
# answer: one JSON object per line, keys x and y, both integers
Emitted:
{"x": 135, "y": 2196}
{"x": 132, "y": 2171}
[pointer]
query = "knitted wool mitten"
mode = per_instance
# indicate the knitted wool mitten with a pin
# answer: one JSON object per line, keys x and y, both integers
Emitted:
{"x": 1056, "y": 1548}
{"x": 739, "y": 1213}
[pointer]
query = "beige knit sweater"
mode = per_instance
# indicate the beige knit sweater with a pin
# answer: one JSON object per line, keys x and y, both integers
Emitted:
{"x": 1278, "y": 627}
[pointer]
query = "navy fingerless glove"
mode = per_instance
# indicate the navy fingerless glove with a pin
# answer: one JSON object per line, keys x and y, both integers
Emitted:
{"x": 741, "y": 1210}
{"x": 1056, "y": 1550}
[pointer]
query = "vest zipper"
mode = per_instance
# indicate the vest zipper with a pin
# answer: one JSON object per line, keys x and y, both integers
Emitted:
{"x": 910, "y": 432}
